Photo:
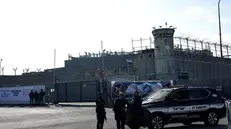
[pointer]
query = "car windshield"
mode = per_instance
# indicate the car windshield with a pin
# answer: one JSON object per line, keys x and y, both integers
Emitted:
{"x": 160, "y": 94}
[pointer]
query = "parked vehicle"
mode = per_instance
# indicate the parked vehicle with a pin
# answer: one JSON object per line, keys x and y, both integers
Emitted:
{"x": 183, "y": 105}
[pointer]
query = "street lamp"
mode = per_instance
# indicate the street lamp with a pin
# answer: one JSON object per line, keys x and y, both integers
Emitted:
{"x": 219, "y": 19}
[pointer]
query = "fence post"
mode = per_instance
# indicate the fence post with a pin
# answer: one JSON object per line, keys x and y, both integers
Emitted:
{"x": 65, "y": 92}
{"x": 56, "y": 93}
{"x": 105, "y": 91}
{"x": 81, "y": 91}
{"x": 97, "y": 87}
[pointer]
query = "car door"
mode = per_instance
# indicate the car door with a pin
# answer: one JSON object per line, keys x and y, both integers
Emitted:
{"x": 198, "y": 100}
{"x": 178, "y": 102}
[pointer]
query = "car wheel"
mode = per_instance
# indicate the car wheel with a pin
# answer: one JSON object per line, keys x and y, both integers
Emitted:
{"x": 187, "y": 123}
{"x": 211, "y": 119}
{"x": 157, "y": 121}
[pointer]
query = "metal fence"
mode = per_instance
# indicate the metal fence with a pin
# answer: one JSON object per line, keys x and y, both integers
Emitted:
{"x": 83, "y": 91}
{"x": 185, "y": 43}
{"x": 191, "y": 44}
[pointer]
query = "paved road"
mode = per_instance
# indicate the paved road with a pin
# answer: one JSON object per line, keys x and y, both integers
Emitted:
{"x": 65, "y": 118}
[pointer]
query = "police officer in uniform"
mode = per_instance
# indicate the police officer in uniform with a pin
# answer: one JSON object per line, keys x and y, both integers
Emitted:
{"x": 119, "y": 110}
{"x": 100, "y": 111}
{"x": 136, "y": 111}
{"x": 36, "y": 97}
{"x": 41, "y": 96}
{"x": 31, "y": 95}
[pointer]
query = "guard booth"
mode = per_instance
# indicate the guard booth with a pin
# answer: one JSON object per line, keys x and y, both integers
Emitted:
{"x": 82, "y": 91}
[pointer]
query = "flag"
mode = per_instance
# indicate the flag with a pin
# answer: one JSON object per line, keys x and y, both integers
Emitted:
{"x": 100, "y": 72}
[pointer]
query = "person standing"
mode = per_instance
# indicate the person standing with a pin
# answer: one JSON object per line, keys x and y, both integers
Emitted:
{"x": 100, "y": 111}
{"x": 31, "y": 95}
{"x": 136, "y": 111}
{"x": 119, "y": 109}
{"x": 41, "y": 96}
{"x": 36, "y": 95}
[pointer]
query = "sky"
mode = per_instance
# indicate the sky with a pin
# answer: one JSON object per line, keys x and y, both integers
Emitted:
{"x": 30, "y": 30}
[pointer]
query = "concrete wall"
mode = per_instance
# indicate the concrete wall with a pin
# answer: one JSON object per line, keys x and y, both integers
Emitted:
{"x": 203, "y": 67}
{"x": 199, "y": 68}
{"x": 83, "y": 64}
{"x": 35, "y": 79}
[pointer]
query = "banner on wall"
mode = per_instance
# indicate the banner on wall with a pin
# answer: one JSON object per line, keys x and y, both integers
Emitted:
{"x": 128, "y": 88}
{"x": 18, "y": 95}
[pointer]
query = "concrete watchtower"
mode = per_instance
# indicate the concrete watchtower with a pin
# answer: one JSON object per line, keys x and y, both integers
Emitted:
{"x": 164, "y": 53}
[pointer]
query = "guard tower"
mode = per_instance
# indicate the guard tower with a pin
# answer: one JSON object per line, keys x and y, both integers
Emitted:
{"x": 164, "y": 53}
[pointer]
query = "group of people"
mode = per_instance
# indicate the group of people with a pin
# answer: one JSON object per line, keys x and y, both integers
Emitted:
{"x": 36, "y": 98}
{"x": 121, "y": 104}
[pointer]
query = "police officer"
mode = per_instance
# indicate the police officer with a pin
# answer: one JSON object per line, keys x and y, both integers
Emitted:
{"x": 31, "y": 95}
{"x": 41, "y": 96}
{"x": 136, "y": 111}
{"x": 100, "y": 111}
{"x": 36, "y": 97}
{"x": 119, "y": 110}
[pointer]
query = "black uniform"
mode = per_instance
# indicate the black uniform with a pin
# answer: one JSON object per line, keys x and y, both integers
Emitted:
{"x": 41, "y": 96}
{"x": 31, "y": 95}
{"x": 100, "y": 112}
{"x": 120, "y": 113}
{"x": 137, "y": 112}
{"x": 36, "y": 97}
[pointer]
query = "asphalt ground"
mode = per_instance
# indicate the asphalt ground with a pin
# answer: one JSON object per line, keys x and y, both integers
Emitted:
{"x": 68, "y": 118}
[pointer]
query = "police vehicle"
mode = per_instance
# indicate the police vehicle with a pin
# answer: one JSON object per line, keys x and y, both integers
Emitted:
{"x": 185, "y": 105}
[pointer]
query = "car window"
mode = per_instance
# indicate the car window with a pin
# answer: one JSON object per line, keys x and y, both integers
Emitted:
{"x": 198, "y": 93}
{"x": 159, "y": 94}
{"x": 180, "y": 95}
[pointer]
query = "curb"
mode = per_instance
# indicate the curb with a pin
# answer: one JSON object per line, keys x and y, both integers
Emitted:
{"x": 74, "y": 105}
{"x": 22, "y": 105}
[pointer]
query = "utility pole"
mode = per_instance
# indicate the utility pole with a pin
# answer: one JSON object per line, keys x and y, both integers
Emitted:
{"x": 103, "y": 76}
{"x": 220, "y": 37}
{"x": 219, "y": 19}
{"x": 102, "y": 50}
{"x": 55, "y": 79}
{"x": 0, "y": 66}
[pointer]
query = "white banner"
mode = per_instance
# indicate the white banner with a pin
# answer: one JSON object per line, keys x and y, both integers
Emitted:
{"x": 18, "y": 95}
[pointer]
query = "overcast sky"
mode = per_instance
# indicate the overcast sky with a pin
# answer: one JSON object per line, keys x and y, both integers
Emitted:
{"x": 30, "y": 30}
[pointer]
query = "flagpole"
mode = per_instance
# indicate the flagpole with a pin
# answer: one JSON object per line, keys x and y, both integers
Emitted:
{"x": 54, "y": 65}
{"x": 103, "y": 76}
{"x": 102, "y": 50}
{"x": 54, "y": 78}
